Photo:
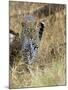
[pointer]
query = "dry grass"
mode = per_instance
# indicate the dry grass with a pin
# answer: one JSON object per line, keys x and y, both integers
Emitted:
{"x": 49, "y": 70}
{"x": 28, "y": 76}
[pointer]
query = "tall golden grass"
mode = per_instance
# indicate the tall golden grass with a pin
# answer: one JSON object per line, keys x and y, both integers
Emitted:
{"x": 50, "y": 67}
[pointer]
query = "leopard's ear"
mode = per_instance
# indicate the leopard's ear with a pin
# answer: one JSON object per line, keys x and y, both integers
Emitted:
{"x": 42, "y": 24}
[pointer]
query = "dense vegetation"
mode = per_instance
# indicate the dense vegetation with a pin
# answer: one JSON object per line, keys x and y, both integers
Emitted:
{"x": 49, "y": 67}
